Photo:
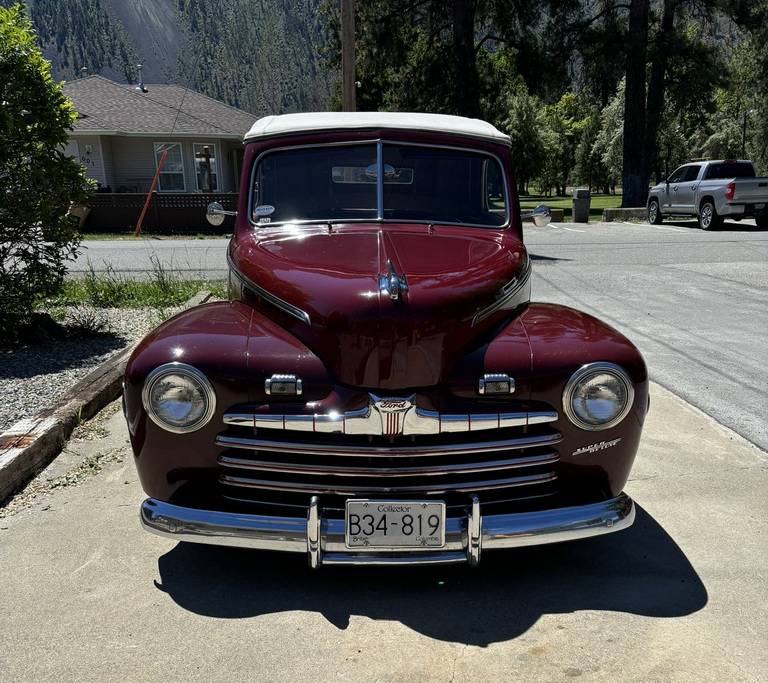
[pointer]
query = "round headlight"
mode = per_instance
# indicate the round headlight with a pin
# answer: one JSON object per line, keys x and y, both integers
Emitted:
{"x": 178, "y": 397}
{"x": 598, "y": 396}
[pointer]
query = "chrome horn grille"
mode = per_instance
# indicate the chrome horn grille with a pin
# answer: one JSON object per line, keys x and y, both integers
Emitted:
{"x": 389, "y": 447}
{"x": 390, "y": 417}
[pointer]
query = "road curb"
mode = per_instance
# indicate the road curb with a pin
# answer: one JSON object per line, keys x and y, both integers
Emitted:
{"x": 33, "y": 442}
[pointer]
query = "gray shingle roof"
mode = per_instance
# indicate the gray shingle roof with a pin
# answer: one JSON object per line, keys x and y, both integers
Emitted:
{"x": 107, "y": 107}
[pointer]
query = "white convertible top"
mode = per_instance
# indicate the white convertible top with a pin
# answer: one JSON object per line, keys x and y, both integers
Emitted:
{"x": 360, "y": 120}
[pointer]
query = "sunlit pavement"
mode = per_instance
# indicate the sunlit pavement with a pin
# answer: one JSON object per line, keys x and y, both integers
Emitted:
{"x": 88, "y": 595}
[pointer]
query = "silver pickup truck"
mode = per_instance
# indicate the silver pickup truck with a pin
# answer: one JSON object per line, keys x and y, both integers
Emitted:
{"x": 711, "y": 191}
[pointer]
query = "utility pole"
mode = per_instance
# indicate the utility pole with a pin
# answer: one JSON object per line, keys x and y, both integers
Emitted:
{"x": 744, "y": 135}
{"x": 348, "y": 98}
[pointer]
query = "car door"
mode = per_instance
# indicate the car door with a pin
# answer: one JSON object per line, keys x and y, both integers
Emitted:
{"x": 669, "y": 193}
{"x": 686, "y": 189}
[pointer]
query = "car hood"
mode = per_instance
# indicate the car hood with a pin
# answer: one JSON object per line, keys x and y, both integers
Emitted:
{"x": 331, "y": 275}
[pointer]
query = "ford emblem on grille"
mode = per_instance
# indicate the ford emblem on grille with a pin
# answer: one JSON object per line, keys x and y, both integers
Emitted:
{"x": 393, "y": 411}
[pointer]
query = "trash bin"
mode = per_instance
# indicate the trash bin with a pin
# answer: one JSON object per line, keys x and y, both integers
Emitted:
{"x": 581, "y": 200}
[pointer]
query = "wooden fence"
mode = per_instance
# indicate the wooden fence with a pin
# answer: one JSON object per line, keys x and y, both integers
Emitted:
{"x": 168, "y": 212}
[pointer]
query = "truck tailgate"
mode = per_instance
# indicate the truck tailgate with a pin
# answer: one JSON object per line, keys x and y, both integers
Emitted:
{"x": 750, "y": 191}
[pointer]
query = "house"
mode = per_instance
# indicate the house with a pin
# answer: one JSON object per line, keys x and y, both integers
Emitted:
{"x": 122, "y": 131}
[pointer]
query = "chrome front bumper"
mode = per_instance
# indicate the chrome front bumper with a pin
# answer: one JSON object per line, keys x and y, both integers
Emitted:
{"x": 322, "y": 539}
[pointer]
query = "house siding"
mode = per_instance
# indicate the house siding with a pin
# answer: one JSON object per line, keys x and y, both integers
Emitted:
{"x": 91, "y": 157}
{"x": 129, "y": 162}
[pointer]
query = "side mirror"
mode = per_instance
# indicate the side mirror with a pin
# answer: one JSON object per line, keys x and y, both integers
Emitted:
{"x": 215, "y": 214}
{"x": 541, "y": 215}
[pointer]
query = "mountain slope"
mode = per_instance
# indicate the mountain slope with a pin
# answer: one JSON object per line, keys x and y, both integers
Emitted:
{"x": 259, "y": 55}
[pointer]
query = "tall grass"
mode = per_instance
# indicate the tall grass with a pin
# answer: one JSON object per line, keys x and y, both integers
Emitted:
{"x": 109, "y": 289}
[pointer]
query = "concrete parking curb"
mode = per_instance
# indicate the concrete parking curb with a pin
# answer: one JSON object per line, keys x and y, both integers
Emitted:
{"x": 32, "y": 443}
{"x": 636, "y": 214}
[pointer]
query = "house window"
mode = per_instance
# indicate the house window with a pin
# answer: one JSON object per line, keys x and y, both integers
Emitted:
{"x": 201, "y": 169}
{"x": 172, "y": 174}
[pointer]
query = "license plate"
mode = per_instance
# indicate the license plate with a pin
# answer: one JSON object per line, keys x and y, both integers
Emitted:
{"x": 373, "y": 524}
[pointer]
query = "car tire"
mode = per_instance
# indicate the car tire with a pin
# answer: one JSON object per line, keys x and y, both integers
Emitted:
{"x": 762, "y": 222}
{"x": 654, "y": 213}
{"x": 709, "y": 219}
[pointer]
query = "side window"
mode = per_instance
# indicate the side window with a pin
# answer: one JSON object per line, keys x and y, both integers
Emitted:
{"x": 206, "y": 167}
{"x": 692, "y": 172}
{"x": 678, "y": 175}
{"x": 172, "y": 173}
{"x": 494, "y": 188}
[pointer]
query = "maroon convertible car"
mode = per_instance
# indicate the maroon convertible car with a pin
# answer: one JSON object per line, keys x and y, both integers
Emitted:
{"x": 379, "y": 389}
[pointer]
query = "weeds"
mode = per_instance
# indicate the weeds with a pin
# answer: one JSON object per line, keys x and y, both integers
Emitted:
{"x": 86, "y": 321}
{"x": 163, "y": 289}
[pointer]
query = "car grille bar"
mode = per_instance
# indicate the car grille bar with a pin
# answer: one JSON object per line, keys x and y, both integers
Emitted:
{"x": 386, "y": 451}
{"x": 367, "y": 421}
{"x": 364, "y": 489}
{"x": 415, "y": 471}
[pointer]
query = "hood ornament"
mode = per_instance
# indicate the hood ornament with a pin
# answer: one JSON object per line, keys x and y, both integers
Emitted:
{"x": 392, "y": 284}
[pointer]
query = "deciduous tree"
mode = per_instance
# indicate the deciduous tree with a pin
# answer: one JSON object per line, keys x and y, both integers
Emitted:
{"x": 38, "y": 183}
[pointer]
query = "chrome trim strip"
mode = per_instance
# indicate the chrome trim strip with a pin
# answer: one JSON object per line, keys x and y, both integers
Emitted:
{"x": 276, "y": 301}
{"x": 359, "y": 489}
{"x": 415, "y": 471}
{"x": 265, "y": 532}
{"x": 380, "y": 142}
{"x": 507, "y": 294}
{"x": 393, "y": 450}
{"x": 379, "y": 180}
{"x": 372, "y": 420}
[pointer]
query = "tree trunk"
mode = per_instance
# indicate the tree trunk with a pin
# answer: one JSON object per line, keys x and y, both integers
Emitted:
{"x": 635, "y": 167}
{"x": 657, "y": 87}
{"x": 466, "y": 78}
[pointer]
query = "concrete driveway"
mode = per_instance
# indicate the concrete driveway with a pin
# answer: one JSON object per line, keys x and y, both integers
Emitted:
{"x": 680, "y": 596}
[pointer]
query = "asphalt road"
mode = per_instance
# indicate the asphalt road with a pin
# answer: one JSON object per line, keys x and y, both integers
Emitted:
{"x": 680, "y": 596}
{"x": 696, "y": 303}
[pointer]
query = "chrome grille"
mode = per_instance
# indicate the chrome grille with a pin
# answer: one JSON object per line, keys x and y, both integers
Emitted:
{"x": 286, "y": 467}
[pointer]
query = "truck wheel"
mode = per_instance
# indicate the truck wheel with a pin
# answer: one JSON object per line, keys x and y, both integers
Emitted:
{"x": 762, "y": 222}
{"x": 654, "y": 213}
{"x": 708, "y": 217}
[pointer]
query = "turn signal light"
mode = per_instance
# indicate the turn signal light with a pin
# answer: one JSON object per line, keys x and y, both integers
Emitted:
{"x": 730, "y": 191}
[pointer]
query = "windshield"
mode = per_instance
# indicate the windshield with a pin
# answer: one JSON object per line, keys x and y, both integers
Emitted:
{"x": 730, "y": 169}
{"x": 341, "y": 183}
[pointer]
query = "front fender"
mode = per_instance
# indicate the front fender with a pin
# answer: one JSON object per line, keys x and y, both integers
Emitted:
{"x": 237, "y": 348}
{"x": 562, "y": 340}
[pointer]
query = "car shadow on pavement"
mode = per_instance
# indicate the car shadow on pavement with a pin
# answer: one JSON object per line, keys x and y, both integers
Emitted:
{"x": 640, "y": 571}
{"x": 540, "y": 257}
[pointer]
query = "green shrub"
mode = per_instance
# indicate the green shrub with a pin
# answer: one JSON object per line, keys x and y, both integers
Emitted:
{"x": 38, "y": 183}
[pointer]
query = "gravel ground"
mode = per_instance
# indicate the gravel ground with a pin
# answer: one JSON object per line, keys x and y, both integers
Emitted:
{"x": 32, "y": 377}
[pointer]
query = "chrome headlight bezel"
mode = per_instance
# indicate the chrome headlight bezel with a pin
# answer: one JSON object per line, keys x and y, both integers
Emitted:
{"x": 587, "y": 371}
{"x": 197, "y": 377}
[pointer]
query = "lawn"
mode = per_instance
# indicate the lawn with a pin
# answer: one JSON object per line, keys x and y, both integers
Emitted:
{"x": 597, "y": 204}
